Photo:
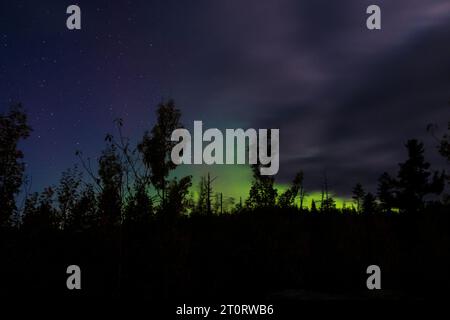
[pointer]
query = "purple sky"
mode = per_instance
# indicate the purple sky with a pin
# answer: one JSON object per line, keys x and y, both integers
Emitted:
{"x": 345, "y": 98}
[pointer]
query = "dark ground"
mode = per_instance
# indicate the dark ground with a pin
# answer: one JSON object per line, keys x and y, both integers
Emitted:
{"x": 282, "y": 256}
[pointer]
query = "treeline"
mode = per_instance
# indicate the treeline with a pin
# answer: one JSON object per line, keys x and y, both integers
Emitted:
{"x": 136, "y": 232}
{"x": 132, "y": 185}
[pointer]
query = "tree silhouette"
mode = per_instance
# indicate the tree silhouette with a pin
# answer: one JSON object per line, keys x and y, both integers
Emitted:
{"x": 386, "y": 195}
{"x": 156, "y": 147}
{"x": 262, "y": 192}
{"x": 201, "y": 206}
{"x": 444, "y": 150}
{"x": 139, "y": 207}
{"x": 313, "y": 206}
{"x": 287, "y": 199}
{"x": 177, "y": 196}
{"x": 444, "y": 145}
{"x": 171, "y": 257}
{"x": 40, "y": 214}
{"x": 358, "y": 196}
{"x": 13, "y": 128}
{"x": 229, "y": 204}
{"x": 414, "y": 180}
{"x": 369, "y": 204}
{"x": 328, "y": 204}
{"x": 111, "y": 178}
{"x": 84, "y": 214}
{"x": 68, "y": 193}
{"x": 209, "y": 191}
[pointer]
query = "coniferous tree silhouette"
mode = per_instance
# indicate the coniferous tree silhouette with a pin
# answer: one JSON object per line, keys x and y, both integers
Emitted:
{"x": 358, "y": 196}
{"x": 386, "y": 192}
{"x": 369, "y": 204}
{"x": 415, "y": 181}
{"x": 329, "y": 204}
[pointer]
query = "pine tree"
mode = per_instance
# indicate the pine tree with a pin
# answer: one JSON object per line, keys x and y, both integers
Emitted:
{"x": 358, "y": 196}
{"x": 369, "y": 204}
{"x": 415, "y": 181}
{"x": 386, "y": 192}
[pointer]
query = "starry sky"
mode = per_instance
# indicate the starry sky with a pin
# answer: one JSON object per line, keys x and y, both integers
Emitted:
{"x": 344, "y": 98}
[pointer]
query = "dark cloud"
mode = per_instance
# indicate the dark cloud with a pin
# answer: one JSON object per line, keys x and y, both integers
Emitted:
{"x": 345, "y": 98}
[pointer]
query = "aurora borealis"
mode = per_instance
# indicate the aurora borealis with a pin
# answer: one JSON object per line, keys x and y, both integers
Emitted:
{"x": 337, "y": 92}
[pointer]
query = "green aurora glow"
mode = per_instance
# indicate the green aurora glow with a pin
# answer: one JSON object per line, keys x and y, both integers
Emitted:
{"x": 235, "y": 181}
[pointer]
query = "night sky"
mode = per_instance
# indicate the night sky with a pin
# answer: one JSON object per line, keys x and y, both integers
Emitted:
{"x": 345, "y": 98}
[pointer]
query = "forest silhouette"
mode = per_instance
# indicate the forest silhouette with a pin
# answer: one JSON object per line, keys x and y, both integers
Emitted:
{"x": 136, "y": 231}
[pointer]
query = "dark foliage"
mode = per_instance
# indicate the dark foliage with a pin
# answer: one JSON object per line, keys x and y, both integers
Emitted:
{"x": 13, "y": 128}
